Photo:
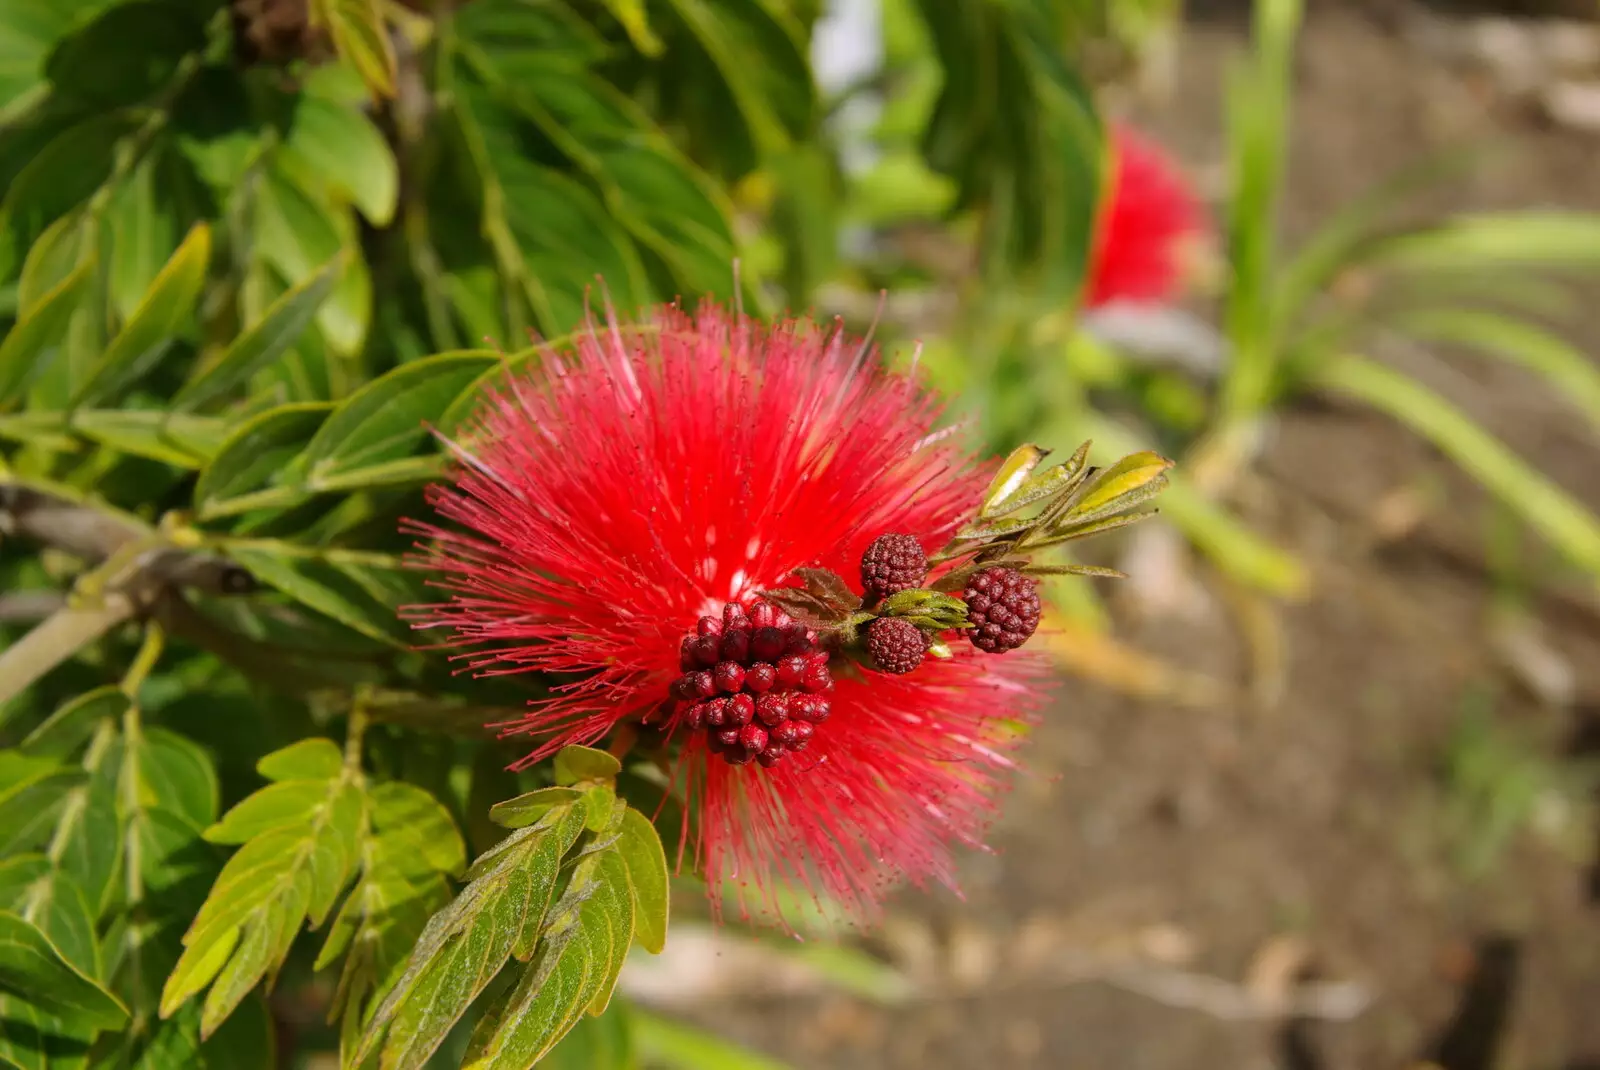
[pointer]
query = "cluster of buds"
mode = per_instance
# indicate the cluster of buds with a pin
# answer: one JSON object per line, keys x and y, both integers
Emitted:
{"x": 755, "y": 682}
{"x": 983, "y": 584}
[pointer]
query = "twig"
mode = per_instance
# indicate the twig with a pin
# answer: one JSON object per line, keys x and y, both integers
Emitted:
{"x": 26, "y": 607}
{"x": 61, "y": 635}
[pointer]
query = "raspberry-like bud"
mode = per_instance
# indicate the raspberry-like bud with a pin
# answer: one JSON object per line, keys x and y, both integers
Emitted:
{"x": 1003, "y": 607}
{"x": 893, "y": 563}
{"x": 896, "y": 645}
{"x": 741, "y": 709}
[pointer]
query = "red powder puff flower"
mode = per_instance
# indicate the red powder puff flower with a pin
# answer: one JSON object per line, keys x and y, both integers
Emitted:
{"x": 614, "y": 507}
{"x": 1150, "y": 213}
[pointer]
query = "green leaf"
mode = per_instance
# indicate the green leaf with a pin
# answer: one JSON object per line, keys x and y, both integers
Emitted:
{"x": 34, "y": 972}
{"x": 246, "y": 1041}
{"x": 56, "y": 179}
{"x": 166, "y": 306}
{"x": 29, "y": 29}
{"x": 27, "y": 346}
{"x": 672, "y": 1045}
{"x": 265, "y": 341}
{"x": 281, "y": 805}
{"x": 175, "y": 775}
{"x": 289, "y": 872}
{"x": 498, "y": 915}
{"x": 1542, "y": 504}
{"x": 640, "y": 848}
{"x": 572, "y": 973}
{"x": 129, "y": 51}
{"x": 1496, "y": 241}
{"x": 71, "y": 725}
{"x": 1014, "y": 471}
{"x": 307, "y": 759}
{"x": 385, "y": 420}
{"x": 360, "y": 36}
{"x": 178, "y": 439}
{"x": 1130, "y": 482}
{"x": 259, "y": 451}
{"x": 582, "y": 765}
{"x": 415, "y": 829}
{"x": 337, "y": 592}
{"x": 1567, "y": 368}
{"x": 298, "y": 235}
{"x": 343, "y": 145}
{"x": 402, "y": 884}
{"x": 32, "y": 791}
{"x": 773, "y": 95}
{"x": 145, "y": 225}
{"x": 524, "y": 810}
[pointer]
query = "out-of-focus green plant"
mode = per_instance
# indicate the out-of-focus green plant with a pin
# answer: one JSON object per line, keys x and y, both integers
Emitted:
{"x": 1293, "y": 324}
{"x": 249, "y": 253}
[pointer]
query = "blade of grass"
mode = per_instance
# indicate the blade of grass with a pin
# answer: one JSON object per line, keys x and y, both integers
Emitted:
{"x": 1542, "y": 504}
{"x": 1567, "y": 368}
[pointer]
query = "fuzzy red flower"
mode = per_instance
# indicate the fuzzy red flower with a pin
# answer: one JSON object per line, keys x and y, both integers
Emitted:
{"x": 607, "y": 501}
{"x": 1149, "y": 215}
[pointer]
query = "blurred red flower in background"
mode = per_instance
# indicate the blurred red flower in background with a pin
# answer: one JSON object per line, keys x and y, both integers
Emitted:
{"x": 1150, "y": 214}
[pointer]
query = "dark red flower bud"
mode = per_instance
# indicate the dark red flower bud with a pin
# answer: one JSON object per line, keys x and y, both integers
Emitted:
{"x": 893, "y": 563}
{"x": 741, "y": 708}
{"x": 896, "y": 645}
{"x": 772, "y": 709}
{"x": 729, "y": 676}
{"x": 752, "y": 737}
{"x": 760, "y": 677}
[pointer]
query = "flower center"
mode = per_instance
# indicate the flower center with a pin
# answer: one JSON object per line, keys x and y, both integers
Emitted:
{"x": 754, "y": 681}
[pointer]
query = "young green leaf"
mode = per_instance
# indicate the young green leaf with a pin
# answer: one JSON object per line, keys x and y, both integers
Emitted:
{"x": 360, "y": 36}
{"x": 26, "y": 349}
{"x": 266, "y": 340}
{"x": 572, "y": 974}
{"x": 583, "y": 765}
{"x": 497, "y": 916}
{"x": 301, "y": 839}
{"x": 32, "y": 792}
{"x": 307, "y": 759}
{"x": 343, "y": 145}
{"x": 166, "y": 306}
{"x": 405, "y": 862}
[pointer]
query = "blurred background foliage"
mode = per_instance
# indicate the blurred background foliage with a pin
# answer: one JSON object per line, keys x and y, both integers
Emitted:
{"x": 248, "y": 250}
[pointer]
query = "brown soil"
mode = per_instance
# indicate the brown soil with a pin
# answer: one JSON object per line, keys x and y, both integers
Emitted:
{"x": 1158, "y": 844}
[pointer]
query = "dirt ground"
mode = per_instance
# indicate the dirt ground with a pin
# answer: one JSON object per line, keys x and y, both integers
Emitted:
{"x": 1168, "y": 875}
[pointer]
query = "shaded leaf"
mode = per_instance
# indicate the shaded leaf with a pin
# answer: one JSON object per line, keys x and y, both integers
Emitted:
{"x": 33, "y": 971}
{"x": 386, "y": 420}
{"x": 73, "y": 722}
{"x": 264, "y": 341}
{"x": 166, "y": 306}
{"x": 254, "y": 455}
